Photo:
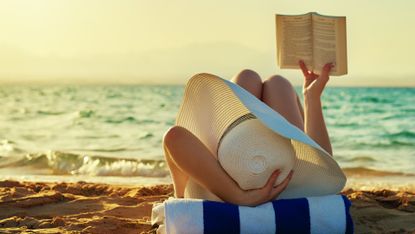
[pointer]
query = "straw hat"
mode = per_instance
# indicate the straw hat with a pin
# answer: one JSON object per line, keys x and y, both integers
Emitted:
{"x": 252, "y": 140}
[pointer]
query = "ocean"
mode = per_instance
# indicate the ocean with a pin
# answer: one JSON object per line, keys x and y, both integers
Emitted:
{"x": 114, "y": 133}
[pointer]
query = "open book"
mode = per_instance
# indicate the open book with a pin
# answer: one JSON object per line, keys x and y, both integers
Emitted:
{"x": 316, "y": 39}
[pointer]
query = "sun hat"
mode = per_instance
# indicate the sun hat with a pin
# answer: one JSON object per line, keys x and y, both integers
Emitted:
{"x": 252, "y": 140}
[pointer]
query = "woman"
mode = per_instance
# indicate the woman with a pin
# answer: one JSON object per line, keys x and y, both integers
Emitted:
{"x": 188, "y": 156}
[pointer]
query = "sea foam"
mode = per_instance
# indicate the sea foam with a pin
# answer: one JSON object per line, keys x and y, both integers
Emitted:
{"x": 64, "y": 163}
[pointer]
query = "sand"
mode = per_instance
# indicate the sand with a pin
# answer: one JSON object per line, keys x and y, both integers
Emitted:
{"x": 31, "y": 207}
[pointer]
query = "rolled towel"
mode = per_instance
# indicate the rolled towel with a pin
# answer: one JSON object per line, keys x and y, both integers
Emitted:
{"x": 324, "y": 214}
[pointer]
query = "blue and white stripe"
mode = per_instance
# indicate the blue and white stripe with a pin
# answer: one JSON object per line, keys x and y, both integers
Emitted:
{"x": 326, "y": 214}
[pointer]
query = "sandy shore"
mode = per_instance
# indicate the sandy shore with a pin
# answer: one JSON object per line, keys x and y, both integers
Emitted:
{"x": 100, "y": 208}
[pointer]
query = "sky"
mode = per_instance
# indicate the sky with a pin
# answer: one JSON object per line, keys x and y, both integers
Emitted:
{"x": 167, "y": 41}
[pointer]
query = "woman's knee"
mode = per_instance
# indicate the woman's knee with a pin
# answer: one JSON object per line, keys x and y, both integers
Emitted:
{"x": 174, "y": 134}
{"x": 277, "y": 82}
{"x": 249, "y": 80}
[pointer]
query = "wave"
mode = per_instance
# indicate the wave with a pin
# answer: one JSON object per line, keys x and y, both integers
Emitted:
{"x": 8, "y": 147}
{"x": 409, "y": 110}
{"x": 371, "y": 99}
{"x": 360, "y": 159}
{"x": 364, "y": 171}
{"x": 401, "y": 143}
{"x": 85, "y": 113}
{"x": 403, "y": 133}
{"x": 44, "y": 112}
{"x": 128, "y": 119}
{"x": 380, "y": 144}
{"x": 147, "y": 135}
{"x": 347, "y": 124}
{"x": 64, "y": 163}
{"x": 100, "y": 136}
{"x": 109, "y": 150}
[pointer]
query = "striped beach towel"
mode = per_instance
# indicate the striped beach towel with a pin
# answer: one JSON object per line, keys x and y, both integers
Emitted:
{"x": 325, "y": 214}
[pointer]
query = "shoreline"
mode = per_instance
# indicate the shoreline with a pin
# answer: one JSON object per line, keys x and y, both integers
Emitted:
{"x": 56, "y": 207}
{"x": 362, "y": 181}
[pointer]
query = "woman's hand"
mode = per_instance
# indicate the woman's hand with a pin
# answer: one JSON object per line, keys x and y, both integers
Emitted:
{"x": 314, "y": 84}
{"x": 254, "y": 197}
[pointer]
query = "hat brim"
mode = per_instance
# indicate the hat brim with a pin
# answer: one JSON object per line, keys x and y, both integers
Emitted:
{"x": 211, "y": 104}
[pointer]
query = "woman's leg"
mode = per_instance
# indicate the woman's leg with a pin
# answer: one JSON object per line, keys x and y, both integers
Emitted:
{"x": 178, "y": 176}
{"x": 279, "y": 94}
{"x": 250, "y": 81}
{"x": 183, "y": 152}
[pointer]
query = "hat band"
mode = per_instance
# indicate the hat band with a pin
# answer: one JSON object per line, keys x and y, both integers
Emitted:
{"x": 234, "y": 124}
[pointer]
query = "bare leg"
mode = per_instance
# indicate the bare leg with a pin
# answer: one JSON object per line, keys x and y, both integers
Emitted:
{"x": 179, "y": 177}
{"x": 250, "y": 81}
{"x": 279, "y": 94}
{"x": 301, "y": 107}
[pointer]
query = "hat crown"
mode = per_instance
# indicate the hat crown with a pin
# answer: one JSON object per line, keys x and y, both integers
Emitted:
{"x": 258, "y": 164}
{"x": 250, "y": 152}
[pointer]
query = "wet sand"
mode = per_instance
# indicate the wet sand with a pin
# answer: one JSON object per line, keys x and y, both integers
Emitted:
{"x": 81, "y": 207}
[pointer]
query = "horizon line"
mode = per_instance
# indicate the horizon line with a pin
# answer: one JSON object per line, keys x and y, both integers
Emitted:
{"x": 49, "y": 83}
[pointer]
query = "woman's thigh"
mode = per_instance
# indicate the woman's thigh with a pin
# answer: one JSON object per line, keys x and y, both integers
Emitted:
{"x": 279, "y": 94}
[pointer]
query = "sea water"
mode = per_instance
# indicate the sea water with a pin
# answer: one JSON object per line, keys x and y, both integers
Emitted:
{"x": 114, "y": 133}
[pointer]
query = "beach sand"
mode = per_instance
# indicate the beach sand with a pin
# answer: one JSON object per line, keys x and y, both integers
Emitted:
{"x": 34, "y": 207}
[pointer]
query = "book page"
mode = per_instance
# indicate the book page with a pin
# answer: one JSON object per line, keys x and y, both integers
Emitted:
{"x": 329, "y": 43}
{"x": 294, "y": 40}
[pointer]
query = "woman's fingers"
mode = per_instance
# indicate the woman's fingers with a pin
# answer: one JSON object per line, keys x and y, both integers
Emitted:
{"x": 279, "y": 188}
{"x": 309, "y": 77}
{"x": 324, "y": 77}
{"x": 268, "y": 192}
{"x": 271, "y": 181}
{"x": 303, "y": 68}
{"x": 326, "y": 70}
{"x": 263, "y": 194}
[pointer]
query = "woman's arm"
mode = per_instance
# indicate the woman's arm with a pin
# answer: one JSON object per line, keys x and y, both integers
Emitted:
{"x": 191, "y": 156}
{"x": 314, "y": 124}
